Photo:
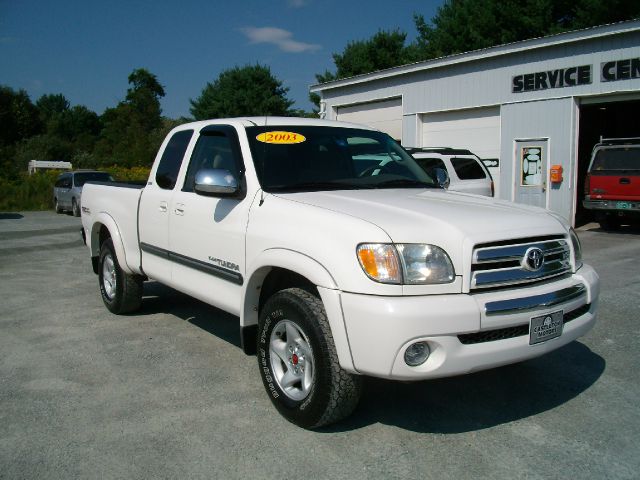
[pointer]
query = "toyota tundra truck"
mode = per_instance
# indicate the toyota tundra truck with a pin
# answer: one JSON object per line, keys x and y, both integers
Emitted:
{"x": 341, "y": 257}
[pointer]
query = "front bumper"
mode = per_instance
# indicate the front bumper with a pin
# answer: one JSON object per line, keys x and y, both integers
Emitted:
{"x": 380, "y": 329}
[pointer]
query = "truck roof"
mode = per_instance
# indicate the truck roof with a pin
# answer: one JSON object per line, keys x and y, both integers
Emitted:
{"x": 267, "y": 120}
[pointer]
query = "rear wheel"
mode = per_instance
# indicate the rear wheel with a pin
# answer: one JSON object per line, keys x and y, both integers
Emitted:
{"x": 298, "y": 361}
{"x": 121, "y": 292}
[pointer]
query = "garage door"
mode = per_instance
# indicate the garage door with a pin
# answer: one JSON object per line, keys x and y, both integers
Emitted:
{"x": 385, "y": 115}
{"x": 477, "y": 130}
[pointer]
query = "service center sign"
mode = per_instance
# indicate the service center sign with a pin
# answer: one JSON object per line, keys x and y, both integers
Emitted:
{"x": 574, "y": 76}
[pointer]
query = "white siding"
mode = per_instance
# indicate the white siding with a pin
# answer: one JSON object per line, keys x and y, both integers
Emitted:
{"x": 476, "y": 129}
{"x": 385, "y": 115}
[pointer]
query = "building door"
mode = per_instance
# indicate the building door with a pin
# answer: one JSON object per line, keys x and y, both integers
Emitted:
{"x": 384, "y": 115}
{"x": 476, "y": 129}
{"x": 531, "y": 172}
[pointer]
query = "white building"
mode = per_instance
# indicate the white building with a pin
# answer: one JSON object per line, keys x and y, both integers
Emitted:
{"x": 524, "y": 107}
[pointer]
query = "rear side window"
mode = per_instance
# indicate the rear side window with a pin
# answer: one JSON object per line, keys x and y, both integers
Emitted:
{"x": 617, "y": 159}
{"x": 468, "y": 168}
{"x": 167, "y": 172}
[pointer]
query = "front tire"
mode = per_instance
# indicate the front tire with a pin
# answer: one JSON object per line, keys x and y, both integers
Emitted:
{"x": 75, "y": 208}
{"x": 58, "y": 207}
{"x": 121, "y": 292}
{"x": 298, "y": 361}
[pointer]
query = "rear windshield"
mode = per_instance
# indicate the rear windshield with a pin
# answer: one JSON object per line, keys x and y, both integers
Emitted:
{"x": 313, "y": 158}
{"x": 617, "y": 159}
{"x": 82, "y": 178}
{"x": 468, "y": 168}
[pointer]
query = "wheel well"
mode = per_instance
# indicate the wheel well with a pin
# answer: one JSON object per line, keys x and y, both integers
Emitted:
{"x": 103, "y": 235}
{"x": 275, "y": 280}
{"x": 279, "y": 279}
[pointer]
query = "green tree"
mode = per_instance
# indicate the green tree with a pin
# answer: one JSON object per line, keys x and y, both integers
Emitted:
{"x": 465, "y": 25}
{"x": 385, "y": 49}
{"x": 127, "y": 137}
{"x": 50, "y": 105}
{"x": 18, "y": 116}
{"x": 242, "y": 91}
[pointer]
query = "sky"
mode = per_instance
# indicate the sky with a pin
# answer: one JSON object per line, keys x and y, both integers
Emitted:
{"x": 87, "y": 49}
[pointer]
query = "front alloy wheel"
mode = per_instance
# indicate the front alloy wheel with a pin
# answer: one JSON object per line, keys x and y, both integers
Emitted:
{"x": 291, "y": 359}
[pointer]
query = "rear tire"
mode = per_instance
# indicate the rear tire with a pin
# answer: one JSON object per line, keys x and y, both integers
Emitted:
{"x": 75, "y": 208}
{"x": 121, "y": 292}
{"x": 298, "y": 361}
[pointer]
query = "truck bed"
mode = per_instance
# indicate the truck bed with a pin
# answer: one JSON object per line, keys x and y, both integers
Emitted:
{"x": 123, "y": 200}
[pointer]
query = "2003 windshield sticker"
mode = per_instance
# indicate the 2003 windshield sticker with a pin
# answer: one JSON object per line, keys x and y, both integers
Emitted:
{"x": 283, "y": 138}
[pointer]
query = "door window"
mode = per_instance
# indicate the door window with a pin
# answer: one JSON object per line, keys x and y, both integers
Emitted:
{"x": 214, "y": 150}
{"x": 167, "y": 172}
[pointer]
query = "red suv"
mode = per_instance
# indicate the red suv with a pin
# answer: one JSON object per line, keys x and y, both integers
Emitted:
{"x": 612, "y": 187}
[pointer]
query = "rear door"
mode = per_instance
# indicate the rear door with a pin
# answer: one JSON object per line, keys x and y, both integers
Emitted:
{"x": 469, "y": 176}
{"x": 153, "y": 215}
{"x": 64, "y": 195}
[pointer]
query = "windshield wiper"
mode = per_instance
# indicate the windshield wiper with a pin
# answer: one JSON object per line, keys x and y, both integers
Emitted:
{"x": 311, "y": 186}
{"x": 404, "y": 182}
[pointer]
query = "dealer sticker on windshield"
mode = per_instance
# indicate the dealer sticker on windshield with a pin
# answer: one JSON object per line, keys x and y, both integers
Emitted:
{"x": 283, "y": 138}
{"x": 546, "y": 327}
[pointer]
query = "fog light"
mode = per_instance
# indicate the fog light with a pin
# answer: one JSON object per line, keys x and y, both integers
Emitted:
{"x": 417, "y": 354}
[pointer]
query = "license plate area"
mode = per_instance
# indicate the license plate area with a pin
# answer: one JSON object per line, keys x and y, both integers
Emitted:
{"x": 545, "y": 327}
{"x": 623, "y": 205}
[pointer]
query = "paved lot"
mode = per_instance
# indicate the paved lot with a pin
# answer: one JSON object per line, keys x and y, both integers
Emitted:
{"x": 167, "y": 392}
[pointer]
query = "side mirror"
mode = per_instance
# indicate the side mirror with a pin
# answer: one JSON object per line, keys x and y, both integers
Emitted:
{"x": 442, "y": 177}
{"x": 215, "y": 182}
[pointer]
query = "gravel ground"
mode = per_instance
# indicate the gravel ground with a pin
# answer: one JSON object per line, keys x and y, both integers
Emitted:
{"x": 167, "y": 392}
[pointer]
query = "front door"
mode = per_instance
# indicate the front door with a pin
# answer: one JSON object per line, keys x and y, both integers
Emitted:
{"x": 206, "y": 233}
{"x": 531, "y": 172}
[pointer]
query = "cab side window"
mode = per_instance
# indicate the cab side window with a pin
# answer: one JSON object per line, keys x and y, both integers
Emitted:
{"x": 430, "y": 164}
{"x": 214, "y": 150}
{"x": 169, "y": 166}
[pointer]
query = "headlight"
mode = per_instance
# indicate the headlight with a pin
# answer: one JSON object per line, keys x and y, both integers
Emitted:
{"x": 380, "y": 262}
{"x": 409, "y": 264}
{"x": 577, "y": 248}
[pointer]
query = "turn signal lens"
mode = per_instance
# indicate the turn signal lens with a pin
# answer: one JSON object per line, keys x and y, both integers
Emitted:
{"x": 380, "y": 262}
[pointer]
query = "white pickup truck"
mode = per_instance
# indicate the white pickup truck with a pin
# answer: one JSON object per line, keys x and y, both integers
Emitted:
{"x": 340, "y": 256}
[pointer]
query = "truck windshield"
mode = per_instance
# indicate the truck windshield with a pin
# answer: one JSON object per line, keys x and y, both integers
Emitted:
{"x": 311, "y": 158}
{"x": 82, "y": 178}
{"x": 617, "y": 159}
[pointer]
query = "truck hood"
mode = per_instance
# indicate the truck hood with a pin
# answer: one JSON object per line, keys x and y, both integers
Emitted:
{"x": 453, "y": 221}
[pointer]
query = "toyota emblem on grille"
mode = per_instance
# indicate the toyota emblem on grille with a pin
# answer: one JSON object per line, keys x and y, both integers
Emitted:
{"x": 533, "y": 259}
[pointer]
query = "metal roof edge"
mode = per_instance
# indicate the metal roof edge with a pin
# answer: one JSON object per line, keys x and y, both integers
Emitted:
{"x": 572, "y": 36}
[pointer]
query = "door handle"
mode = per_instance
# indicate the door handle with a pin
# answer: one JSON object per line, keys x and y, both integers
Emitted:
{"x": 625, "y": 181}
{"x": 163, "y": 207}
{"x": 179, "y": 210}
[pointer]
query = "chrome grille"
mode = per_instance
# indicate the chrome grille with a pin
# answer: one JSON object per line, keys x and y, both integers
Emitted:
{"x": 504, "y": 263}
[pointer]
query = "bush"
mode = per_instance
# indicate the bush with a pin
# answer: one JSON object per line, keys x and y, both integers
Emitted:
{"x": 35, "y": 192}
